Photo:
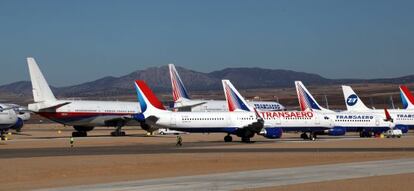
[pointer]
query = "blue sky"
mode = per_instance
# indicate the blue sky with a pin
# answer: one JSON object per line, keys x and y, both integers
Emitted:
{"x": 82, "y": 40}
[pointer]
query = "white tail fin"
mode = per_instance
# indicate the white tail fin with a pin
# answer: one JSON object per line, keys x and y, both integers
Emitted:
{"x": 178, "y": 88}
{"x": 41, "y": 90}
{"x": 235, "y": 102}
{"x": 305, "y": 98}
{"x": 352, "y": 101}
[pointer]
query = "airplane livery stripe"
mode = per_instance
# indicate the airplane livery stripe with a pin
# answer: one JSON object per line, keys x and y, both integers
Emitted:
{"x": 149, "y": 94}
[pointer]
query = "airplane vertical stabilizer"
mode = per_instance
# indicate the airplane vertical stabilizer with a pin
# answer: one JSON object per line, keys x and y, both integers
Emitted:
{"x": 305, "y": 98}
{"x": 235, "y": 102}
{"x": 178, "y": 88}
{"x": 40, "y": 87}
{"x": 148, "y": 101}
{"x": 352, "y": 101}
{"x": 406, "y": 97}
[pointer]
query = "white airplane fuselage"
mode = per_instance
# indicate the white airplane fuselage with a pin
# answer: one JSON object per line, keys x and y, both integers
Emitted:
{"x": 87, "y": 113}
{"x": 199, "y": 105}
{"x": 8, "y": 117}
{"x": 230, "y": 121}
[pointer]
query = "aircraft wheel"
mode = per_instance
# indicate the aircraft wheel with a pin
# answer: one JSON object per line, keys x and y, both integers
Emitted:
{"x": 245, "y": 139}
{"x": 312, "y": 137}
{"x": 117, "y": 133}
{"x": 304, "y": 136}
{"x": 228, "y": 138}
{"x": 79, "y": 134}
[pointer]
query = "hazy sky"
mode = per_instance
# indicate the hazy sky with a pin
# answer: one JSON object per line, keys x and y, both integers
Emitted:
{"x": 78, "y": 41}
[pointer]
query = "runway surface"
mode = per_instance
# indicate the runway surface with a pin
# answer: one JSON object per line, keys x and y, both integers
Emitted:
{"x": 260, "y": 178}
{"x": 167, "y": 148}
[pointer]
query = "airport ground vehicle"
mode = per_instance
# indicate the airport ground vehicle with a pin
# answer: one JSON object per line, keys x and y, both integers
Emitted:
{"x": 166, "y": 131}
{"x": 393, "y": 133}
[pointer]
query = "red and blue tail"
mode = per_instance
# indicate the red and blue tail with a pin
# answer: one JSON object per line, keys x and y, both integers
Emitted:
{"x": 306, "y": 100}
{"x": 235, "y": 102}
{"x": 406, "y": 97}
{"x": 147, "y": 99}
{"x": 178, "y": 88}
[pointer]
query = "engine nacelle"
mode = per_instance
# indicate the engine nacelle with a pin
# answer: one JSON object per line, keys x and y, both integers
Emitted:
{"x": 18, "y": 125}
{"x": 336, "y": 131}
{"x": 272, "y": 132}
{"x": 403, "y": 128}
{"x": 139, "y": 117}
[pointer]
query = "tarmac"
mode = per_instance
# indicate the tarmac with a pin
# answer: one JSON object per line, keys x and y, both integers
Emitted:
{"x": 260, "y": 178}
{"x": 40, "y": 157}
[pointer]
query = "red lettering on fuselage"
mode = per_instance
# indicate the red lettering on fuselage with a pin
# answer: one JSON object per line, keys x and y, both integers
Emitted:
{"x": 287, "y": 114}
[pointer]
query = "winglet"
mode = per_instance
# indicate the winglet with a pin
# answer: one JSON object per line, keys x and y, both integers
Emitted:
{"x": 387, "y": 115}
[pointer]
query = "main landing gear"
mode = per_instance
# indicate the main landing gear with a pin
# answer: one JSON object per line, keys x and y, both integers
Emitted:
{"x": 228, "y": 138}
{"x": 3, "y": 135}
{"x": 81, "y": 131}
{"x": 365, "y": 134}
{"x": 118, "y": 132}
{"x": 312, "y": 136}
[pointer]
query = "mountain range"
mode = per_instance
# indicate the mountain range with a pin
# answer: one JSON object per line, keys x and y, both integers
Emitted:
{"x": 158, "y": 79}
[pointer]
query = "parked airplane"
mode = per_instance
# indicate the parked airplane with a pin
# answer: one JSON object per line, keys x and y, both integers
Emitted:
{"x": 308, "y": 122}
{"x": 365, "y": 123}
{"x": 183, "y": 102}
{"x": 82, "y": 115}
{"x": 241, "y": 124}
{"x": 240, "y": 119}
{"x": 403, "y": 118}
{"x": 407, "y": 98}
{"x": 8, "y": 120}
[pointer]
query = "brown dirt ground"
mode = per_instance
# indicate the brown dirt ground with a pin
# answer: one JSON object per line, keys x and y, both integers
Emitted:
{"x": 42, "y": 172}
{"x": 400, "y": 182}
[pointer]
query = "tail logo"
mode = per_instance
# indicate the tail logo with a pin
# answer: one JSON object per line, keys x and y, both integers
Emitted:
{"x": 352, "y": 100}
{"x": 233, "y": 101}
{"x": 179, "y": 90}
{"x": 306, "y": 101}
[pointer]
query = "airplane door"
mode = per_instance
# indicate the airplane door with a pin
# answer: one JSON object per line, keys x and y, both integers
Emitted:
{"x": 317, "y": 120}
{"x": 278, "y": 120}
{"x": 173, "y": 119}
{"x": 377, "y": 121}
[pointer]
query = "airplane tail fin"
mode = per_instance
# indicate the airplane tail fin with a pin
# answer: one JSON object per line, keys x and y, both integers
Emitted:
{"x": 235, "y": 102}
{"x": 178, "y": 88}
{"x": 406, "y": 97}
{"x": 40, "y": 87}
{"x": 352, "y": 101}
{"x": 305, "y": 98}
{"x": 148, "y": 101}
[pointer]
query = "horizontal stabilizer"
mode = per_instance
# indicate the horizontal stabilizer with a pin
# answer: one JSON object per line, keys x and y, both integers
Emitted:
{"x": 53, "y": 108}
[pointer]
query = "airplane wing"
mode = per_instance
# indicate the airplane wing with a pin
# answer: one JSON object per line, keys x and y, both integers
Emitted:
{"x": 257, "y": 126}
{"x": 187, "y": 107}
